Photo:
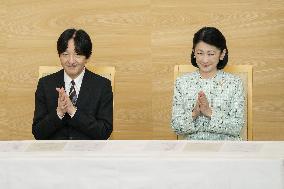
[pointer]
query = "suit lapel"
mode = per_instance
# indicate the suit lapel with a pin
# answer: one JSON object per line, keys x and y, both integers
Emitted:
{"x": 57, "y": 82}
{"x": 84, "y": 90}
{"x": 60, "y": 79}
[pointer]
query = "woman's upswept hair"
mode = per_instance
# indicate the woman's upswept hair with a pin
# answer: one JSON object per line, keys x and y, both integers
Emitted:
{"x": 211, "y": 36}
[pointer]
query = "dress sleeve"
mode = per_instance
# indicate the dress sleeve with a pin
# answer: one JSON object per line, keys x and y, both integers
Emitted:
{"x": 182, "y": 121}
{"x": 230, "y": 122}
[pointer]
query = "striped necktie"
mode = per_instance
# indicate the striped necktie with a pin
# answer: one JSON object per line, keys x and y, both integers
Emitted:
{"x": 72, "y": 93}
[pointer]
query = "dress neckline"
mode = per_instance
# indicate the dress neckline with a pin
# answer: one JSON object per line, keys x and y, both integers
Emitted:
{"x": 209, "y": 79}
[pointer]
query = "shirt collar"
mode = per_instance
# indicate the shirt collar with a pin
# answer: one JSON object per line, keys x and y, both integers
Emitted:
{"x": 78, "y": 80}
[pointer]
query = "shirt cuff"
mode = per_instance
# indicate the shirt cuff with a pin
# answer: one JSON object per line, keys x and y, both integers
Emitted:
{"x": 72, "y": 115}
{"x": 59, "y": 116}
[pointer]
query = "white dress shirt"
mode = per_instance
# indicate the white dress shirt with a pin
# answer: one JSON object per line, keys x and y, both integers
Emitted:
{"x": 78, "y": 82}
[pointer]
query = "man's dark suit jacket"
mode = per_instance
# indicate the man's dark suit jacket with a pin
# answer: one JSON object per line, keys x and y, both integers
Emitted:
{"x": 93, "y": 118}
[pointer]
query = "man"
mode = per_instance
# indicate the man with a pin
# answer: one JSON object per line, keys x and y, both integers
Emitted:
{"x": 74, "y": 103}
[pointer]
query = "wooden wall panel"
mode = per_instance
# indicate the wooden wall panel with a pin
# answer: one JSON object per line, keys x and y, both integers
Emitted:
{"x": 254, "y": 31}
{"x": 120, "y": 32}
{"x": 143, "y": 39}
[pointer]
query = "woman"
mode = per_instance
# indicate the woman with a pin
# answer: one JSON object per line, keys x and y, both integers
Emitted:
{"x": 208, "y": 104}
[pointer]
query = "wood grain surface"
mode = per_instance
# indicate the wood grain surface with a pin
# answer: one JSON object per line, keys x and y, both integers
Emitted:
{"x": 143, "y": 39}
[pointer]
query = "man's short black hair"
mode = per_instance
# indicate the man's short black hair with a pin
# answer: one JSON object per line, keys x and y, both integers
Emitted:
{"x": 82, "y": 42}
{"x": 211, "y": 36}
